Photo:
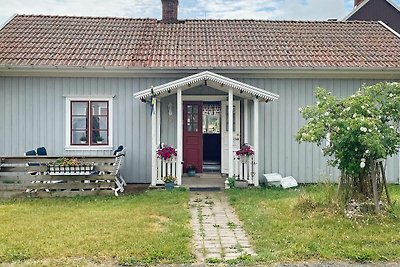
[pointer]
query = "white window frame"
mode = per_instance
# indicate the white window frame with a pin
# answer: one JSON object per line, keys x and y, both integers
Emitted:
{"x": 68, "y": 145}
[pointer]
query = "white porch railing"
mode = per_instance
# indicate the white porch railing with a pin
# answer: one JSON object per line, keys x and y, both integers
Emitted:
{"x": 165, "y": 168}
{"x": 244, "y": 169}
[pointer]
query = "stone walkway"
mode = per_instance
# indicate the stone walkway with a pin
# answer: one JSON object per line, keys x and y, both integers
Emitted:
{"x": 217, "y": 230}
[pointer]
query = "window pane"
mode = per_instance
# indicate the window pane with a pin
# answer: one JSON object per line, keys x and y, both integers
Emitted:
{"x": 79, "y": 123}
{"x": 195, "y": 109}
{"x": 99, "y": 108}
{"x": 99, "y": 137}
{"x": 99, "y": 123}
{"x": 79, "y": 108}
{"x": 79, "y": 137}
{"x": 189, "y": 109}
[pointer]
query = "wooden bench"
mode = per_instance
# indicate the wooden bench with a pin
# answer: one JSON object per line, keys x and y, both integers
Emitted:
{"x": 31, "y": 176}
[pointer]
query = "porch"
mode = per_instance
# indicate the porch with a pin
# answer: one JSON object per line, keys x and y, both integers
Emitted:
{"x": 187, "y": 95}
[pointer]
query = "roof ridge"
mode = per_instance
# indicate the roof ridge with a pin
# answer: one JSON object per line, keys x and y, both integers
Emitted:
{"x": 192, "y": 20}
{"x": 81, "y": 17}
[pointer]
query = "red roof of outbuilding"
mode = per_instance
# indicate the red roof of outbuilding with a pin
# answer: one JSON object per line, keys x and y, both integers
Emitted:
{"x": 144, "y": 43}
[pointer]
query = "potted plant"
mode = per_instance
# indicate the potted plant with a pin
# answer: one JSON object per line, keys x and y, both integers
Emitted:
{"x": 191, "y": 170}
{"x": 166, "y": 152}
{"x": 100, "y": 140}
{"x": 83, "y": 139}
{"x": 245, "y": 153}
{"x": 169, "y": 182}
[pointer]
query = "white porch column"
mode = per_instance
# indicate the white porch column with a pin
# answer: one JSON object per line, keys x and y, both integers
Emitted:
{"x": 230, "y": 131}
{"x": 179, "y": 136}
{"x": 154, "y": 145}
{"x": 256, "y": 142}
{"x": 246, "y": 121}
{"x": 158, "y": 113}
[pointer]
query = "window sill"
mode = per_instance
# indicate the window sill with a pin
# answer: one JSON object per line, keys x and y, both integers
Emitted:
{"x": 88, "y": 148}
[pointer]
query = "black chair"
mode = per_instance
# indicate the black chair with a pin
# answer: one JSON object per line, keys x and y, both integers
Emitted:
{"x": 119, "y": 149}
{"x": 41, "y": 151}
{"x": 30, "y": 153}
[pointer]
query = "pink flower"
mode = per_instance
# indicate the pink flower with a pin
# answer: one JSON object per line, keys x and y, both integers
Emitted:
{"x": 166, "y": 152}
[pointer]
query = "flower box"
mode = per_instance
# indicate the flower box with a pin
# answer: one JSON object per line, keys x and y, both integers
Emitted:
{"x": 71, "y": 170}
{"x": 72, "y": 166}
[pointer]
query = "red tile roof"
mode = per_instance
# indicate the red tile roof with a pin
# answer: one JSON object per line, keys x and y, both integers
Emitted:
{"x": 144, "y": 43}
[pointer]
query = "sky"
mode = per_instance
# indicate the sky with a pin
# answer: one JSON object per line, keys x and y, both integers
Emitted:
{"x": 188, "y": 9}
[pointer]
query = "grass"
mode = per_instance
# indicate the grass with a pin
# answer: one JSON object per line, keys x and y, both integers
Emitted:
{"x": 152, "y": 228}
{"x": 282, "y": 228}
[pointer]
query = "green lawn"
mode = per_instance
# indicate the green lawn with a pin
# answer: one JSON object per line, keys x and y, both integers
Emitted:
{"x": 281, "y": 232}
{"x": 148, "y": 228}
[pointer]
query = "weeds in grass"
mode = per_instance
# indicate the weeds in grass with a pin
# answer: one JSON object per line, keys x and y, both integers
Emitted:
{"x": 238, "y": 247}
{"x": 245, "y": 259}
{"x": 320, "y": 196}
{"x": 231, "y": 225}
{"x": 305, "y": 203}
{"x": 280, "y": 231}
{"x": 214, "y": 260}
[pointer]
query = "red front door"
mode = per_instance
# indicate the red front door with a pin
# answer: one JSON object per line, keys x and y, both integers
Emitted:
{"x": 193, "y": 135}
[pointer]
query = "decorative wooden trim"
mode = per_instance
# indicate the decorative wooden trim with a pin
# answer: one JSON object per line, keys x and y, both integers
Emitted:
{"x": 213, "y": 80}
{"x": 204, "y": 97}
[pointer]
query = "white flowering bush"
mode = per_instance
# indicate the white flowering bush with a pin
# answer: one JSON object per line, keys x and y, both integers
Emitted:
{"x": 362, "y": 128}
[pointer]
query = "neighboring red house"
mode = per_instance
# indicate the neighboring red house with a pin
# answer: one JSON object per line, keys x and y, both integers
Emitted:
{"x": 378, "y": 10}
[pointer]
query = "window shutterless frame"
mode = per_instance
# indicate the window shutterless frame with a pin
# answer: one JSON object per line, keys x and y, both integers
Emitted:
{"x": 92, "y": 134}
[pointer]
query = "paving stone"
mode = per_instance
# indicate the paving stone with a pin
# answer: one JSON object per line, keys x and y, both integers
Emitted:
{"x": 213, "y": 255}
{"x": 215, "y": 221}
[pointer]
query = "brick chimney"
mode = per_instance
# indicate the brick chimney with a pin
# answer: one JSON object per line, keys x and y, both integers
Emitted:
{"x": 170, "y": 11}
{"x": 357, "y": 2}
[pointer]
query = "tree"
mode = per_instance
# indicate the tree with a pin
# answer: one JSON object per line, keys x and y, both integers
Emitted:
{"x": 362, "y": 130}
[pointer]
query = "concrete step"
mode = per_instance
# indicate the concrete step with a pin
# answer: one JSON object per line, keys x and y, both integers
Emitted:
{"x": 205, "y": 189}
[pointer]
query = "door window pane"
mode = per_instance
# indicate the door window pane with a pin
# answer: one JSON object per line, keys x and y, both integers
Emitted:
{"x": 192, "y": 123}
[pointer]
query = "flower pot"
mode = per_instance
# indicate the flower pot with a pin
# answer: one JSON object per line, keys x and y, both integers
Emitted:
{"x": 169, "y": 185}
{"x": 241, "y": 184}
{"x": 191, "y": 173}
{"x": 83, "y": 142}
{"x": 99, "y": 142}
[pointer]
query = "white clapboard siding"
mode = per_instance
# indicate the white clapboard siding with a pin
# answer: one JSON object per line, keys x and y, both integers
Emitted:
{"x": 32, "y": 114}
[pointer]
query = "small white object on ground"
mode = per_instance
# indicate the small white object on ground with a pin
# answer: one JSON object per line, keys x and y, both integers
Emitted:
{"x": 288, "y": 182}
{"x": 273, "y": 179}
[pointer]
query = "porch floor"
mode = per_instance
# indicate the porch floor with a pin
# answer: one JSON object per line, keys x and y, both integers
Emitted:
{"x": 204, "y": 181}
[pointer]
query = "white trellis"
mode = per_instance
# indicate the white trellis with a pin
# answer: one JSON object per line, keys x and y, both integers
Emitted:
{"x": 244, "y": 168}
{"x": 166, "y": 167}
